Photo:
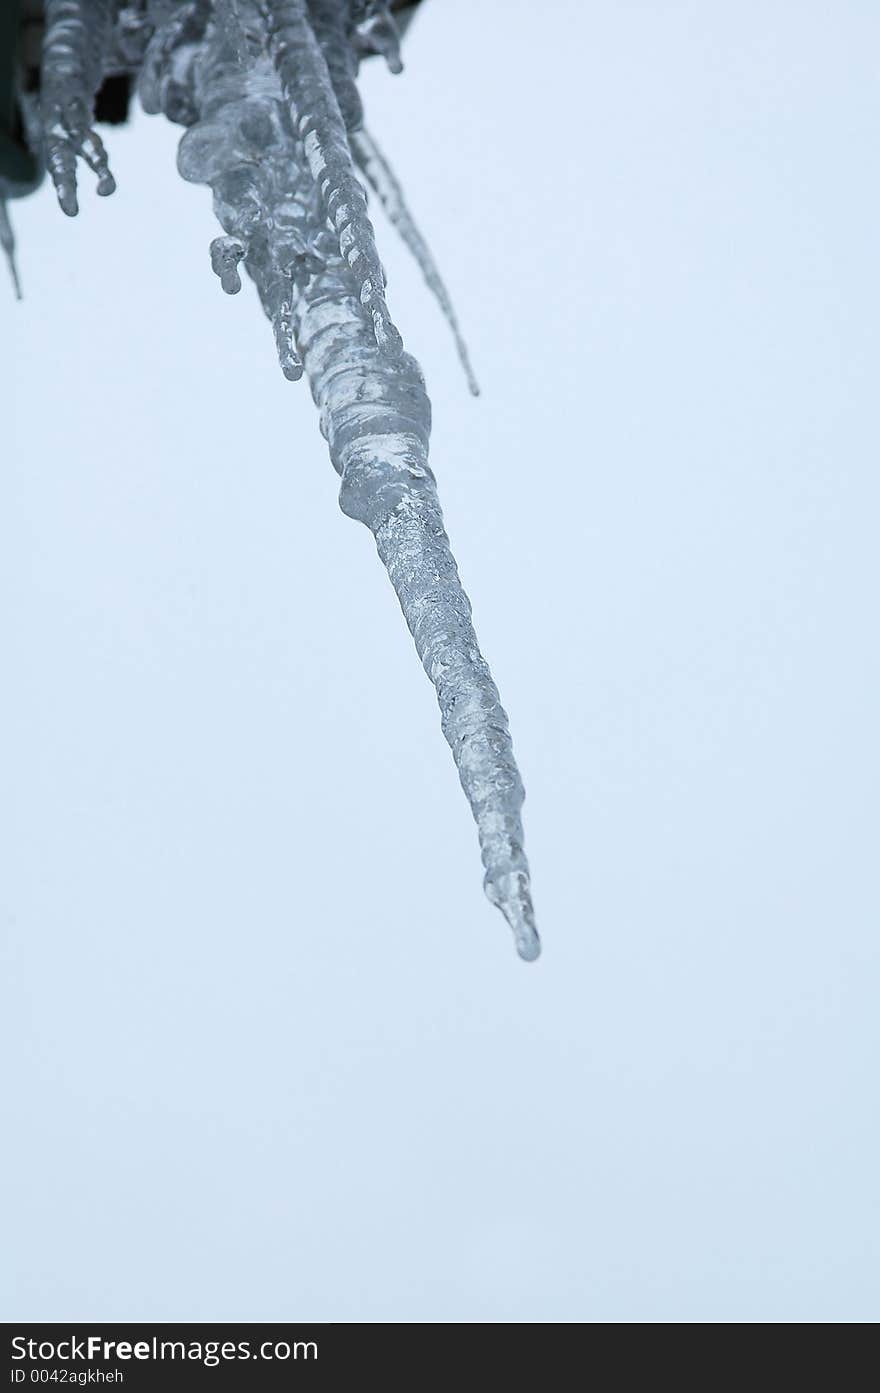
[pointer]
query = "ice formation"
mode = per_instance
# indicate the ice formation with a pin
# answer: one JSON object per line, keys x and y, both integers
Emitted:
{"x": 267, "y": 92}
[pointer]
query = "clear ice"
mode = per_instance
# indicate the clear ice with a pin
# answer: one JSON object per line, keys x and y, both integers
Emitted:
{"x": 267, "y": 91}
{"x": 7, "y": 242}
{"x": 75, "y": 46}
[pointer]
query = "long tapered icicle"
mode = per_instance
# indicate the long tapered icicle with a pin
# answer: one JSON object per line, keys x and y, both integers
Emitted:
{"x": 376, "y": 417}
{"x": 76, "y": 39}
{"x": 226, "y": 253}
{"x": 374, "y": 31}
{"x": 328, "y": 21}
{"x": 318, "y": 122}
{"x": 167, "y": 76}
{"x": 262, "y": 85}
{"x": 387, "y": 187}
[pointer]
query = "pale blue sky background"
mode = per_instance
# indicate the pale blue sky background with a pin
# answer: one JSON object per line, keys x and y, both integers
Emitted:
{"x": 269, "y": 1052}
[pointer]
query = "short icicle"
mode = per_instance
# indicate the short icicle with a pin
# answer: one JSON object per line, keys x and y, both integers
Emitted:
{"x": 375, "y": 415}
{"x": 75, "y": 42}
{"x": 389, "y": 191}
{"x": 7, "y": 243}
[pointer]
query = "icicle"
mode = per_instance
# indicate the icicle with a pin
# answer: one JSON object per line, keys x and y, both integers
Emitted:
{"x": 328, "y": 20}
{"x": 240, "y": 148}
{"x": 387, "y": 187}
{"x": 167, "y": 76}
{"x": 317, "y": 120}
{"x": 375, "y": 415}
{"x": 7, "y": 242}
{"x": 131, "y": 36}
{"x": 376, "y": 32}
{"x": 229, "y": 24}
{"x": 76, "y": 38}
{"x": 262, "y": 85}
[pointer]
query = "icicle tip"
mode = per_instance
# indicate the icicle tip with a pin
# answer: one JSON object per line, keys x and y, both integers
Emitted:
{"x": 512, "y": 895}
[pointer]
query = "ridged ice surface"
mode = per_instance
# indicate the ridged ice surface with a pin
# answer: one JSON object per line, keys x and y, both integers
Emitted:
{"x": 389, "y": 191}
{"x": 267, "y": 90}
{"x": 376, "y": 416}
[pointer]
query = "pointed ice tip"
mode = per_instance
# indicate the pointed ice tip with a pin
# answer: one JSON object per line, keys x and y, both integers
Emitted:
{"x": 107, "y": 185}
{"x": 292, "y": 369}
{"x": 512, "y": 895}
{"x": 529, "y": 948}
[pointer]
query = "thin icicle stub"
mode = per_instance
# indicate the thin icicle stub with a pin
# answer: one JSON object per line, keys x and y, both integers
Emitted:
{"x": 387, "y": 188}
{"x": 75, "y": 44}
{"x": 229, "y": 25}
{"x": 328, "y": 20}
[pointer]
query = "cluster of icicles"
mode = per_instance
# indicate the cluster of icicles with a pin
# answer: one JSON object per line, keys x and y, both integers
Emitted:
{"x": 274, "y": 124}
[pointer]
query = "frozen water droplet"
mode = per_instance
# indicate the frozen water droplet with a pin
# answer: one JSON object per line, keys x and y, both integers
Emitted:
{"x": 226, "y": 253}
